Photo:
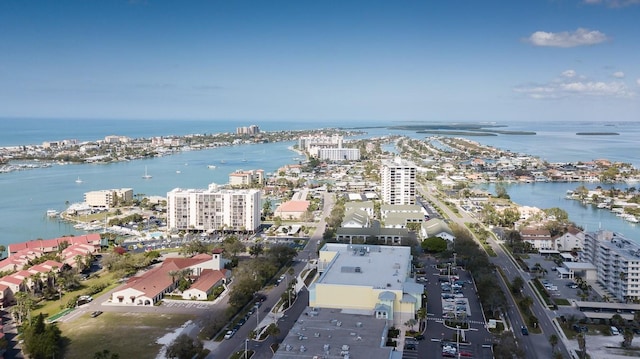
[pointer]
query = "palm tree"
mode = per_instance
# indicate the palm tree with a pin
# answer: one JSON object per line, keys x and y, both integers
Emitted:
{"x": 421, "y": 314}
{"x": 553, "y": 340}
{"x": 628, "y": 337}
{"x": 411, "y": 323}
{"x": 582, "y": 345}
{"x": 173, "y": 274}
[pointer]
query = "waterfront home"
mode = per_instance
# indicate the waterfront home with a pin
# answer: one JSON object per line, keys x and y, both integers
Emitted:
{"x": 53, "y": 245}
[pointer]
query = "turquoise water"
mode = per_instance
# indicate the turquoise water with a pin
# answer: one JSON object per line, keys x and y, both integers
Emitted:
{"x": 27, "y": 195}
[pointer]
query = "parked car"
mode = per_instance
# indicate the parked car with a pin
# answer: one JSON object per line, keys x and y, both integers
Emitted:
{"x": 96, "y": 313}
{"x": 229, "y": 334}
{"x": 614, "y": 331}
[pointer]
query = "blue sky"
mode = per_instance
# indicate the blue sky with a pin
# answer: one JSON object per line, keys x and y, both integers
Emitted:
{"x": 466, "y": 60}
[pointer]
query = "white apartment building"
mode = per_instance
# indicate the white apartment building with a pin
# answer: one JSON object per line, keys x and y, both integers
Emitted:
{"x": 108, "y": 198}
{"x": 305, "y": 143}
{"x": 617, "y": 262}
{"x": 338, "y": 154}
{"x": 213, "y": 209}
{"x": 398, "y": 181}
{"x": 248, "y": 130}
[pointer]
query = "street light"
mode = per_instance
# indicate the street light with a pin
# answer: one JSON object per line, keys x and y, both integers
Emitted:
{"x": 246, "y": 341}
{"x": 458, "y": 340}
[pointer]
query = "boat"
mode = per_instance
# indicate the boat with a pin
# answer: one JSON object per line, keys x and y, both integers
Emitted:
{"x": 52, "y": 213}
{"x": 223, "y": 161}
{"x": 212, "y": 167}
{"x": 78, "y": 180}
{"x": 178, "y": 172}
{"x": 146, "y": 175}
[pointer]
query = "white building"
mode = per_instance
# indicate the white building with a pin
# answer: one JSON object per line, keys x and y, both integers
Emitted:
{"x": 213, "y": 209}
{"x": 572, "y": 240}
{"x": 338, "y": 154}
{"x": 305, "y": 143}
{"x": 617, "y": 262}
{"x": 398, "y": 181}
{"x": 108, "y": 198}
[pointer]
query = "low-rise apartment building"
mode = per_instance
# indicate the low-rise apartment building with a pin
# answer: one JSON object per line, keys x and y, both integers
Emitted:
{"x": 108, "y": 198}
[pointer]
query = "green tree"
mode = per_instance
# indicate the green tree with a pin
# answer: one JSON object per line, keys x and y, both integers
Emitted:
{"x": 256, "y": 250}
{"x": 507, "y": 348}
{"x": 501, "y": 191}
{"x": 517, "y": 284}
{"x": 272, "y": 329}
{"x": 553, "y": 340}
{"x": 184, "y": 347}
{"x": 42, "y": 341}
{"x": 628, "y": 337}
{"x": 434, "y": 245}
{"x": 194, "y": 247}
{"x": 233, "y": 246}
{"x": 281, "y": 254}
{"x": 106, "y": 354}
{"x": 411, "y": 323}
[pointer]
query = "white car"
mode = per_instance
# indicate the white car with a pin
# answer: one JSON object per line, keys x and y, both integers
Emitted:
{"x": 229, "y": 334}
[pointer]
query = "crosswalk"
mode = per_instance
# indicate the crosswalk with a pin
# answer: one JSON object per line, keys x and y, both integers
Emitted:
{"x": 441, "y": 320}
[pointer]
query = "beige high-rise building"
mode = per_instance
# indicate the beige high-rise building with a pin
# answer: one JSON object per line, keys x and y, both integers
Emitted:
{"x": 213, "y": 209}
{"x": 108, "y": 198}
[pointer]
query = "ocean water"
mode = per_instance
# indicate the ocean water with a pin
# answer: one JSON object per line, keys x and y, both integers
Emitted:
{"x": 27, "y": 195}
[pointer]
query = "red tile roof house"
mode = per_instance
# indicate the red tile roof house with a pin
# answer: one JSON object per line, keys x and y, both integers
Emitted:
{"x": 150, "y": 287}
{"x": 13, "y": 283}
{"x": 292, "y": 209}
{"x": 52, "y": 245}
{"x": 204, "y": 285}
{"x": 71, "y": 253}
{"x": 23, "y": 280}
{"x": 6, "y": 296}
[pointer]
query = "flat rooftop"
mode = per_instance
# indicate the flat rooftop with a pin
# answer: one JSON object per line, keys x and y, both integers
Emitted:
{"x": 368, "y": 265}
{"x": 330, "y": 333}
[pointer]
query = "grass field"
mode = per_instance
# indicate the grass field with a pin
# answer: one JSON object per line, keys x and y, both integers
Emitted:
{"x": 131, "y": 335}
{"x": 52, "y": 307}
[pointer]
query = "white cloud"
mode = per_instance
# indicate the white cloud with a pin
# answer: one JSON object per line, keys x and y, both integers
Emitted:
{"x": 618, "y": 74}
{"x": 570, "y": 84}
{"x": 580, "y": 37}
{"x": 638, "y": 82}
{"x": 612, "y": 3}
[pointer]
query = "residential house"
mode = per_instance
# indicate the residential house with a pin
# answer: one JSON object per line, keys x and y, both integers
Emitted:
{"x": 539, "y": 238}
{"x": 291, "y": 209}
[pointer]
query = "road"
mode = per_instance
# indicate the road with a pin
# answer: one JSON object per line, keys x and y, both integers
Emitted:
{"x": 536, "y": 346}
{"x": 227, "y": 347}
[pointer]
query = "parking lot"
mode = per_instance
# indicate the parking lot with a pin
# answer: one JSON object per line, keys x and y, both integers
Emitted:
{"x": 450, "y": 297}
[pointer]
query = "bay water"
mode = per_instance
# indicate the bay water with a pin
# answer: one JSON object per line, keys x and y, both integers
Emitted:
{"x": 27, "y": 195}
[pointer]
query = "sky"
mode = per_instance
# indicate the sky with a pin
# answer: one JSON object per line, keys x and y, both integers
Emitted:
{"x": 312, "y": 60}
